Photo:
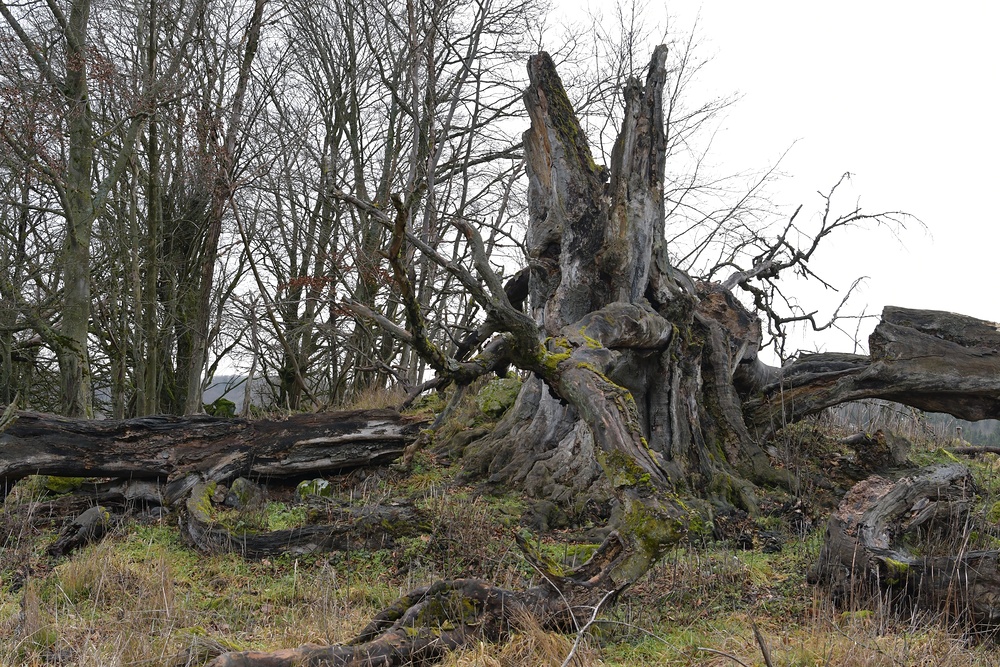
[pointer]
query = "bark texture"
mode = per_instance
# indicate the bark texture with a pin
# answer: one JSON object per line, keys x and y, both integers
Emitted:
{"x": 596, "y": 248}
{"x": 932, "y": 360}
{"x": 182, "y": 451}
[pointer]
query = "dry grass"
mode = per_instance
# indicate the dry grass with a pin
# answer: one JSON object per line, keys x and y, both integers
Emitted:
{"x": 530, "y": 645}
{"x": 374, "y": 398}
{"x": 142, "y": 597}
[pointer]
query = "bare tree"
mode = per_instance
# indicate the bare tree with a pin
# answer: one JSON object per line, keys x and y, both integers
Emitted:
{"x": 76, "y": 157}
{"x": 54, "y": 45}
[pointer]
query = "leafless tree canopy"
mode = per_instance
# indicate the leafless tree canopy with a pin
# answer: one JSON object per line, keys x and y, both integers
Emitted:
{"x": 181, "y": 188}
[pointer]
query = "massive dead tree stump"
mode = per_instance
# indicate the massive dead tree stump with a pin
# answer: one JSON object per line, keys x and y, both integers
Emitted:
{"x": 618, "y": 321}
{"x": 644, "y": 384}
{"x": 642, "y": 379}
{"x": 908, "y": 542}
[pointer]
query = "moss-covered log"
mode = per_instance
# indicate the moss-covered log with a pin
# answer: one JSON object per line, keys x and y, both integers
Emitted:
{"x": 343, "y": 528}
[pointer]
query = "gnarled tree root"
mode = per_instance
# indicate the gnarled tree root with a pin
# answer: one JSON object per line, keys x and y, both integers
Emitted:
{"x": 418, "y": 629}
{"x": 423, "y": 625}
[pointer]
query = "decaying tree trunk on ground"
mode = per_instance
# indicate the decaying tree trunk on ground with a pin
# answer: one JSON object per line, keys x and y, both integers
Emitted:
{"x": 907, "y": 542}
{"x": 879, "y": 450}
{"x": 88, "y": 527}
{"x": 342, "y": 529}
{"x": 182, "y": 451}
{"x": 163, "y": 460}
{"x": 932, "y": 360}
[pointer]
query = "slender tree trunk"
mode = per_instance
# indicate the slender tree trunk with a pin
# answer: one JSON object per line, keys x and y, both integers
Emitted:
{"x": 74, "y": 360}
{"x": 222, "y": 191}
{"x": 148, "y": 357}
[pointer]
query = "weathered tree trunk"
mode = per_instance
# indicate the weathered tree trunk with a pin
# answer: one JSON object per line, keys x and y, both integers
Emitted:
{"x": 873, "y": 540}
{"x": 183, "y": 451}
{"x": 932, "y": 360}
{"x": 595, "y": 242}
{"x": 88, "y": 527}
{"x": 704, "y": 401}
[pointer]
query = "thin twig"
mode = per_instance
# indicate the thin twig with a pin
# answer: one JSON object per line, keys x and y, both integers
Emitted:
{"x": 586, "y": 626}
{"x": 723, "y": 654}
{"x": 759, "y": 636}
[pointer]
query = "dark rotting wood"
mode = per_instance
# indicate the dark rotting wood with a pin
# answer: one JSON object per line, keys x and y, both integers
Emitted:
{"x": 184, "y": 450}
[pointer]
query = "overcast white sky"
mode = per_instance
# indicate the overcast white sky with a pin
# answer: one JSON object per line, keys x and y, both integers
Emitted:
{"x": 901, "y": 94}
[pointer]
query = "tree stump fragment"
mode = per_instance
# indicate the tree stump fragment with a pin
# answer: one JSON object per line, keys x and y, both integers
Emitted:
{"x": 906, "y": 542}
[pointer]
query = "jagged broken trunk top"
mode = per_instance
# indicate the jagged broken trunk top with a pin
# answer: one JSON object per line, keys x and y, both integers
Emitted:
{"x": 604, "y": 295}
{"x": 682, "y": 355}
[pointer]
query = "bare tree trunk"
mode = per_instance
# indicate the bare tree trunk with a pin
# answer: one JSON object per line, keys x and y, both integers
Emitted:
{"x": 222, "y": 190}
{"x": 74, "y": 360}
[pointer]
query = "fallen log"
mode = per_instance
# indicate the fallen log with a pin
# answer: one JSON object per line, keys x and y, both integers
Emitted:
{"x": 927, "y": 359}
{"x": 906, "y": 542}
{"x": 418, "y": 629}
{"x": 182, "y": 451}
